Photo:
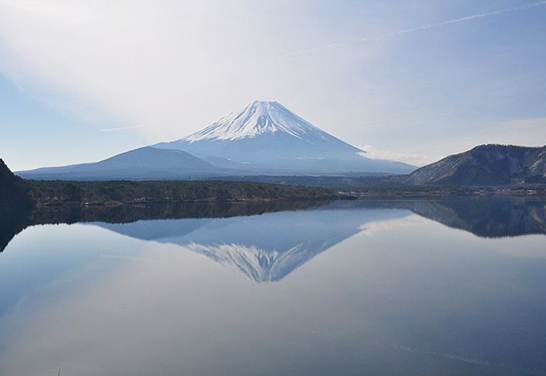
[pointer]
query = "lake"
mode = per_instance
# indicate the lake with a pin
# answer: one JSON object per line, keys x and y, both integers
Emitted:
{"x": 454, "y": 287}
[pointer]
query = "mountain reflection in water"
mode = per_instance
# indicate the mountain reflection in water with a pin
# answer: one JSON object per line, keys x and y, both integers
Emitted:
{"x": 267, "y": 242}
{"x": 266, "y": 247}
{"x": 341, "y": 288}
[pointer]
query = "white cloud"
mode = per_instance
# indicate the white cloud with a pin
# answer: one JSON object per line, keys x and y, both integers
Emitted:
{"x": 391, "y": 225}
{"x": 178, "y": 65}
{"x": 520, "y": 132}
{"x": 413, "y": 159}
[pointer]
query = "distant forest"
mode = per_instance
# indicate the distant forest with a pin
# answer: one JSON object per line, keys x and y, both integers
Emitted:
{"x": 57, "y": 192}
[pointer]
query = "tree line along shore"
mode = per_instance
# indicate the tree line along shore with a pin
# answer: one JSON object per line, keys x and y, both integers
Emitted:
{"x": 94, "y": 193}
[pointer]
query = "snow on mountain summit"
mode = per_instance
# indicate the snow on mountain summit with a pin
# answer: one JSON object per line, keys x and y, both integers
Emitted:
{"x": 255, "y": 119}
{"x": 267, "y": 138}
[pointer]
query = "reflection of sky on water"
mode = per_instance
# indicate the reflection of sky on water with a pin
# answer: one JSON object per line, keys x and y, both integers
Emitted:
{"x": 405, "y": 294}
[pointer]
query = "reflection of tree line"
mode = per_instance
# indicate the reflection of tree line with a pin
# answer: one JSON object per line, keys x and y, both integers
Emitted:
{"x": 482, "y": 217}
{"x": 14, "y": 221}
{"x": 132, "y": 213}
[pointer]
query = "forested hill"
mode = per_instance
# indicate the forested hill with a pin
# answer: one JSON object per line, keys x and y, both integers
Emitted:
{"x": 12, "y": 189}
{"x": 485, "y": 165}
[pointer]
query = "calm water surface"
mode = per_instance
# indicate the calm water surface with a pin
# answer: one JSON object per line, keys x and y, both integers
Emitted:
{"x": 345, "y": 288}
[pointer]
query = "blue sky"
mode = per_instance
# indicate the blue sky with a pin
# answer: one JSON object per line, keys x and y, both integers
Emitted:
{"x": 406, "y": 80}
{"x": 36, "y": 134}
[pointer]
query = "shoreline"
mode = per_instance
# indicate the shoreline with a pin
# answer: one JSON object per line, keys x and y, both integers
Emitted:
{"x": 117, "y": 193}
{"x": 439, "y": 192}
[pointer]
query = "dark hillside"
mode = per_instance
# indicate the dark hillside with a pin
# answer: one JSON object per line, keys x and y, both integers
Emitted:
{"x": 485, "y": 165}
{"x": 13, "y": 194}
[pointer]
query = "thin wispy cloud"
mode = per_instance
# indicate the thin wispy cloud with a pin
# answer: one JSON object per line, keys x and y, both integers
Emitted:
{"x": 411, "y": 158}
{"x": 119, "y": 129}
{"x": 420, "y": 28}
{"x": 128, "y": 258}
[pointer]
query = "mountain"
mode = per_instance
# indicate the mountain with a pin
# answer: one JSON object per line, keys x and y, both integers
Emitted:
{"x": 263, "y": 139}
{"x": 485, "y": 165}
{"x": 15, "y": 205}
{"x": 13, "y": 195}
{"x": 267, "y": 138}
{"x": 143, "y": 163}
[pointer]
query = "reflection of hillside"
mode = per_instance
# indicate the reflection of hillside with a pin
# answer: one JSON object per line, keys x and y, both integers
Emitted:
{"x": 14, "y": 221}
{"x": 489, "y": 218}
{"x": 132, "y": 213}
{"x": 482, "y": 217}
{"x": 266, "y": 247}
{"x": 11, "y": 223}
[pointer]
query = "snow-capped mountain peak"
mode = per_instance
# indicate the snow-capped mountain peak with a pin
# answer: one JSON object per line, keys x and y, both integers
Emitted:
{"x": 267, "y": 138}
{"x": 258, "y": 118}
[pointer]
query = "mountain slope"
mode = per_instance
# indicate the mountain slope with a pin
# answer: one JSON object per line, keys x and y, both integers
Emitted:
{"x": 268, "y": 138}
{"x": 143, "y": 163}
{"x": 13, "y": 194}
{"x": 485, "y": 165}
{"x": 15, "y": 205}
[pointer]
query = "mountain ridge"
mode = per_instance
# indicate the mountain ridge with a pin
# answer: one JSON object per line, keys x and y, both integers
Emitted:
{"x": 142, "y": 163}
{"x": 490, "y": 164}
